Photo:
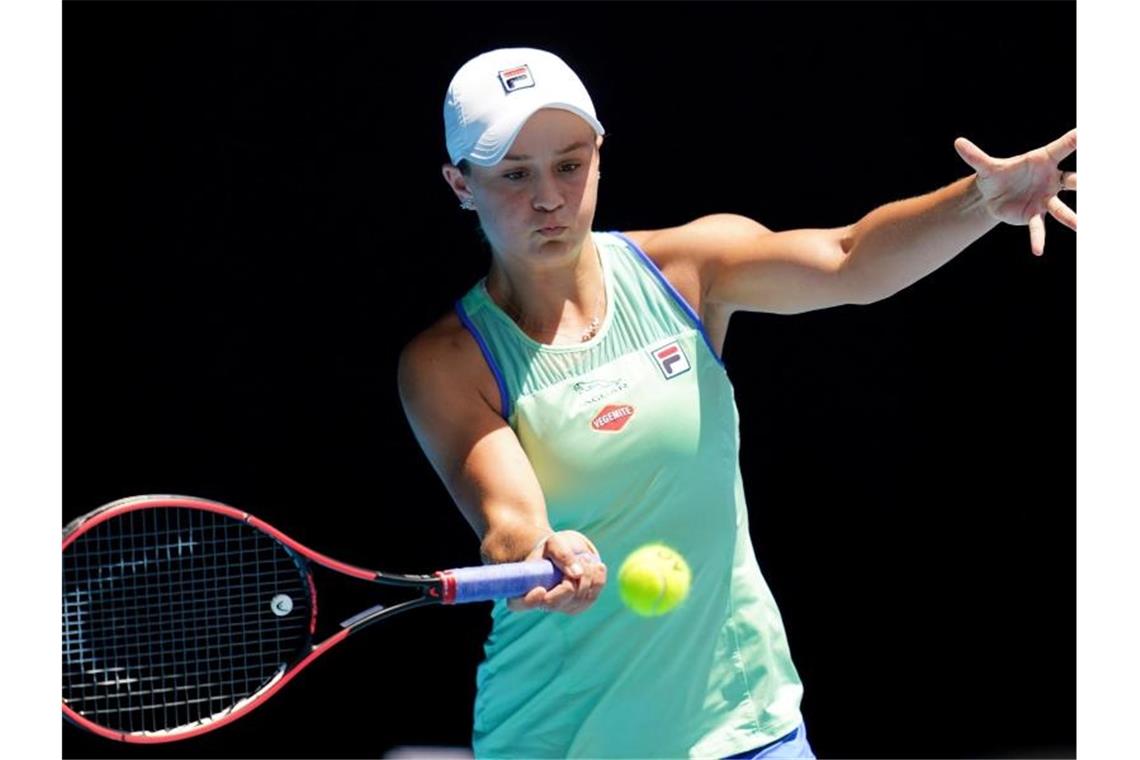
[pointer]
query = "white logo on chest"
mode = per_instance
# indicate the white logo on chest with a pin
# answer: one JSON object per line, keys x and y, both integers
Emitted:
{"x": 599, "y": 389}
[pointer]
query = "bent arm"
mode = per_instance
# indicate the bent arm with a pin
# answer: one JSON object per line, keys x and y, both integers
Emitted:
{"x": 484, "y": 468}
{"x": 474, "y": 452}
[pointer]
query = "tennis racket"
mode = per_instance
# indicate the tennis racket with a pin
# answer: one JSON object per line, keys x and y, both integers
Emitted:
{"x": 182, "y": 614}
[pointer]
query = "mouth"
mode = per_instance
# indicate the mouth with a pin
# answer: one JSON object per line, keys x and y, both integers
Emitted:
{"x": 551, "y": 231}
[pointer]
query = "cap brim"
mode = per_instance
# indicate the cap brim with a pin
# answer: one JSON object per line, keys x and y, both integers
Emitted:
{"x": 492, "y": 151}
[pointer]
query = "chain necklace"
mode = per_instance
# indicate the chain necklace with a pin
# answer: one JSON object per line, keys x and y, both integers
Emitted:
{"x": 591, "y": 329}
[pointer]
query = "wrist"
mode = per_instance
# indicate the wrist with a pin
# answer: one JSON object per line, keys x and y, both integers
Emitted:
{"x": 971, "y": 201}
{"x": 512, "y": 545}
{"x": 540, "y": 545}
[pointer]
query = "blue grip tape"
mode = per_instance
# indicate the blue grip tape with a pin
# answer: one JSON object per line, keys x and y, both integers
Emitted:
{"x": 505, "y": 581}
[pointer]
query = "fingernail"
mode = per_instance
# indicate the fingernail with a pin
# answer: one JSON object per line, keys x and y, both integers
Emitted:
{"x": 575, "y": 569}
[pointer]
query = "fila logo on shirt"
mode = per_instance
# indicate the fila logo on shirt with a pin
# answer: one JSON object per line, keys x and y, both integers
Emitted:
{"x": 518, "y": 78}
{"x": 671, "y": 360}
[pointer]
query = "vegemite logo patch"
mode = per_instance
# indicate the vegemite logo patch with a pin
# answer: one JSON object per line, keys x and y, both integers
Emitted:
{"x": 612, "y": 418}
{"x": 671, "y": 360}
{"x": 518, "y": 78}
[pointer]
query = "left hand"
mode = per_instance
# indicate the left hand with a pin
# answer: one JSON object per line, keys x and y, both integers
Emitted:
{"x": 1020, "y": 190}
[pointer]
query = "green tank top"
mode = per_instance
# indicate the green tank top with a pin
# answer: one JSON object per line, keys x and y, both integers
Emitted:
{"x": 634, "y": 438}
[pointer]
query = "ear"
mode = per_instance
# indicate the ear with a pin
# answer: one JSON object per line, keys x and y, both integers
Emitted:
{"x": 458, "y": 183}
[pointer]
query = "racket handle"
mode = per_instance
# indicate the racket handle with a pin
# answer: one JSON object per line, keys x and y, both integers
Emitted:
{"x": 489, "y": 582}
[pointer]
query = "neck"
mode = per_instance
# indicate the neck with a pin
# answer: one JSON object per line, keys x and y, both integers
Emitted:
{"x": 559, "y": 303}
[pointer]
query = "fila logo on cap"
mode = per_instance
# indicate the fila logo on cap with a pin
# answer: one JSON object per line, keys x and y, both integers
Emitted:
{"x": 671, "y": 360}
{"x": 518, "y": 78}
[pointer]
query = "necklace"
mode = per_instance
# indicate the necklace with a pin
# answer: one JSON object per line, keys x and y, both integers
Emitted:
{"x": 591, "y": 329}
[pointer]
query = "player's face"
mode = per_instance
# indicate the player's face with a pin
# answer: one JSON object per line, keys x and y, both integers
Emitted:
{"x": 540, "y": 199}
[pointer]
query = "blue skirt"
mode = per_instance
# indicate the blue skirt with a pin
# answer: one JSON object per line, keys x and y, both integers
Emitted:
{"x": 794, "y": 744}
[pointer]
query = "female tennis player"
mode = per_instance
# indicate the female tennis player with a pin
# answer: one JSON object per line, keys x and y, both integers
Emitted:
{"x": 575, "y": 402}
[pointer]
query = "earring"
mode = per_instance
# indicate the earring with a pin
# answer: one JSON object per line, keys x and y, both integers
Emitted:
{"x": 467, "y": 204}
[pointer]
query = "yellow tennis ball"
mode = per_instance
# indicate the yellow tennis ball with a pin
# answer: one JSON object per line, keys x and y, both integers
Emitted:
{"x": 653, "y": 580}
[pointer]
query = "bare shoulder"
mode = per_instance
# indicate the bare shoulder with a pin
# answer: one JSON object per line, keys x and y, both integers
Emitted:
{"x": 687, "y": 255}
{"x": 701, "y": 238}
{"x": 742, "y": 265}
{"x": 444, "y": 363}
{"x": 452, "y": 404}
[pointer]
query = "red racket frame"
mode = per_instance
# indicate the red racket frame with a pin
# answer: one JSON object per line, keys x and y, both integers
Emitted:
{"x": 432, "y": 586}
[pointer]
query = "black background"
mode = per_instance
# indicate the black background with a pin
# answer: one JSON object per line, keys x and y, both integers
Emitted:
{"x": 256, "y": 224}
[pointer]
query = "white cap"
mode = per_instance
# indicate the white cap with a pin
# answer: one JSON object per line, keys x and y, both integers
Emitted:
{"x": 493, "y": 94}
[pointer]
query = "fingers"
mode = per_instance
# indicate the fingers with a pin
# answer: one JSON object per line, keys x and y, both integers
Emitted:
{"x": 972, "y": 154}
{"x": 575, "y": 537}
{"x": 561, "y": 552}
{"x": 1062, "y": 147}
{"x": 579, "y": 560}
{"x": 1062, "y": 213}
{"x": 1068, "y": 180}
{"x": 561, "y": 597}
{"x": 584, "y": 577}
{"x": 1037, "y": 234}
{"x": 590, "y": 585}
{"x": 532, "y": 600}
{"x": 597, "y": 582}
{"x": 573, "y": 597}
{"x": 569, "y": 597}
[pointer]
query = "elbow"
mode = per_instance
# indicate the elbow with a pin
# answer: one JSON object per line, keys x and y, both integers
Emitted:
{"x": 855, "y": 290}
{"x": 864, "y": 291}
{"x": 863, "y": 297}
{"x": 858, "y": 289}
{"x": 847, "y": 239}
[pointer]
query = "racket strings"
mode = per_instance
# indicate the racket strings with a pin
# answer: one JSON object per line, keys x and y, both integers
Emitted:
{"x": 172, "y": 616}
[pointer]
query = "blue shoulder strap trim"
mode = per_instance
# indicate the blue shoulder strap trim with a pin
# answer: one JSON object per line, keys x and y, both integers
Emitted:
{"x": 504, "y": 398}
{"x": 668, "y": 286}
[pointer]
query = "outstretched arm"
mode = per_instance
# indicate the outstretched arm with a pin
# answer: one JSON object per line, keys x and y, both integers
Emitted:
{"x": 742, "y": 265}
{"x": 899, "y": 243}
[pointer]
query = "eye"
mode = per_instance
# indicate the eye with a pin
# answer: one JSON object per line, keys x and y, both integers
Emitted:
{"x": 566, "y": 168}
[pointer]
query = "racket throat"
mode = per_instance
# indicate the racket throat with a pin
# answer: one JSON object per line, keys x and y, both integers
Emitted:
{"x": 379, "y": 612}
{"x": 362, "y": 615}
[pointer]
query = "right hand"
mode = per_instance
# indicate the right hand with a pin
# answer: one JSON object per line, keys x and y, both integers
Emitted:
{"x": 585, "y": 577}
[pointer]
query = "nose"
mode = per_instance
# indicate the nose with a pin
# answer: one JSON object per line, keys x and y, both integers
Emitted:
{"x": 547, "y": 196}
